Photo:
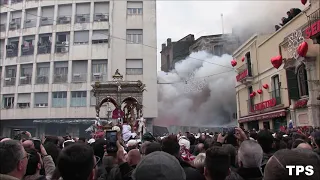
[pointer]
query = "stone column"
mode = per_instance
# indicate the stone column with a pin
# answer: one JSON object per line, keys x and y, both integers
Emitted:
{"x": 313, "y": 104}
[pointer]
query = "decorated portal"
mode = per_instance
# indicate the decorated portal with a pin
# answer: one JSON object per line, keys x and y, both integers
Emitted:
{"x": 119, "y": 102}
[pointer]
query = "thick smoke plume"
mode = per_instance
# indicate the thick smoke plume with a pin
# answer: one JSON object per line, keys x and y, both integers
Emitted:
{"x": 193, "y": 100}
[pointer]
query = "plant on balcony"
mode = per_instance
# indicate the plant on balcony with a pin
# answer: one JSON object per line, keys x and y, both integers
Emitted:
{"x": 302, "y": 103}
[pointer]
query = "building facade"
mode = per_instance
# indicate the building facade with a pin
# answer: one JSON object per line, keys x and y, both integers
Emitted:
{"x": 219, "y": 44}
{"x": 52, "y": 51}
{"x": 268, "y": 97}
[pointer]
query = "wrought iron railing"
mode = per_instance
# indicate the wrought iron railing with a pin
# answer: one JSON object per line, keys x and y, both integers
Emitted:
{"x": 99, "y": 77}
{"x": 27, "y": 50}
{"x": 276, "y": 95}
{"x": 29, "y": 23}
{"x": 62, "y": 48}
{"x": 82, "y": 18}
{"x": 15, "y": 24}
{"x": 45, "y": 21}
{"x": 79, "y": 77}
{"x": 10, "y": 81}
{"x": 134, "y": 71}
{"x": 11, "y": 51}
{"x": 41, "y": 79}
{"x": 60, "y": 78}
{"x": 100, "y": 17}
{"x": 44, "y": 48}
{"x": 63, "y": 19}
{"x": 25, "y": 80}
{"x": 314, "y": 16}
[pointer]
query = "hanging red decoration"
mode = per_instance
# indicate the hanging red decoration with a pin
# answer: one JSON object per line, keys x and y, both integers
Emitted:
{"x": 276, "y": 61}
{"x": 259, "y": 91}
{"x": 242, "y": 59}
{"x": 254, "y": 93}
{"x": 304, "y": 2}
{"x": 266, "y": 86}
{"x": 233, "y": 63}
{"x": 302, "y": 49}
{"x": 251, "y": 95}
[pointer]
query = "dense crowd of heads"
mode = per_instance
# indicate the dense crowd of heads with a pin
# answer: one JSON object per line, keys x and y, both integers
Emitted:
{"x": 233, "y": 155}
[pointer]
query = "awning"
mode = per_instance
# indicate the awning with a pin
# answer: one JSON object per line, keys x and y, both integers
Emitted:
{"x": 268, "y": 115}
{"x": 66, "y": 121}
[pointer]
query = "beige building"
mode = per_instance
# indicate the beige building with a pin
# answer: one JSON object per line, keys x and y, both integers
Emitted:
{"x": 269, "y": 97}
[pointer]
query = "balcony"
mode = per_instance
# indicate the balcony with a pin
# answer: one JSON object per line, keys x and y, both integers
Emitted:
{"x": 2, "y": 27}
{"x": 16, "y": 1}
{"x": 82, "y": 18}
{"x": 15, "y": 24}
{"x": 244, "y": 74}
{"x": 313, "y": 28}
{"x": 79, "y": 78}
{"x": 62, "y": 48}
{"x": 60, "y": 78}
{"x": 27, "y": 50}
{"x": 100, "y": 17}
{"x": 99, "y": 77}
{"x": 42, "y": 79}
{"x": 24, "y": 80}
{"x": 45, "y": 21}
{"x": 12, "y": 51}
{"x": 44, "y": 48}
{"x": 10, "y": 81}
{"x": 275, "y": 94}
{"x": 30, "y": 23}
{"x": 134, "y": 71}
{"x": 63, "y": 19}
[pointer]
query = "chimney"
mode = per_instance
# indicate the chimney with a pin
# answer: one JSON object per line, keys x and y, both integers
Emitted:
{"x": 163, "y": 46}
{"x": 192, "y": 37}
{"x": 169, "y": 42}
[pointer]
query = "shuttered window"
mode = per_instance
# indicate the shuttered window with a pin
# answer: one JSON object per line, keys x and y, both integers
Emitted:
{"x": 134, "y": 67}
{"x": 41, "y": 99}
{"x": 81, "y": 37}
{"x": 292, "y": 82}
{"x": 79, "y": 99}
{"x": 59, "y": 99}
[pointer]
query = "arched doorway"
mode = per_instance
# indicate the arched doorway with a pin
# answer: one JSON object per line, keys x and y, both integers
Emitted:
{"x": 132, "y": 109}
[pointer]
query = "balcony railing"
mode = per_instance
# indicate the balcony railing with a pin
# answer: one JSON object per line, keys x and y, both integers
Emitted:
{"x": 77, "y": 77}
{"x": 276, "y": 95}
{"x": 12, "y": 51}
{"x": 44, "y": 48}
{"x": 63, "y": 19}
{"x": 15, "y": 24}
{"x": 10, "y": 81}
{"x": 45, "y": 21}
{"x": 314, "y": 16}
{"x": 82, "y": 18}
{"x": 62, "y": 48}
{"x": 42, "y": 79}
{"x": 27, "y": 50}
{"x": 2, "y": 27}
{"x": 60, "y": 78}
{"x": 30, "y": 23}
{"x": 100, "y": 17}
{"x": 99, "y": 77}
{"x": 25, "y": 80}
{"x": 134, "y": 71}
{"x": 16, "y": 1}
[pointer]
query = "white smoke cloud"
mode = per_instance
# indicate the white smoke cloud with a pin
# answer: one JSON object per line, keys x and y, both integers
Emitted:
{"x": 194, "y": 100}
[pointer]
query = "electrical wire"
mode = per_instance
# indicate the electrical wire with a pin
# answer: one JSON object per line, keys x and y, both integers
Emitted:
{"x": 115, "y": 37}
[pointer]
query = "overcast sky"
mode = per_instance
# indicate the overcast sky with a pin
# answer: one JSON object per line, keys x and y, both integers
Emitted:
{"x": 176, "y": 19}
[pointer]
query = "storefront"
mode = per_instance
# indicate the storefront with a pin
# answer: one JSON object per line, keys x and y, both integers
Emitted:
{"x": 270, "y": 120}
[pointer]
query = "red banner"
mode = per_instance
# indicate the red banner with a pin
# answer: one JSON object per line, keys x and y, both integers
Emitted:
{"x": 313, "y": 29}
{"x": 264, "y": 105}
{"x": 242, "y": 75}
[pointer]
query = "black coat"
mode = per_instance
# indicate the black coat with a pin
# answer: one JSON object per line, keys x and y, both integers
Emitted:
{"x": 191, "y": 172}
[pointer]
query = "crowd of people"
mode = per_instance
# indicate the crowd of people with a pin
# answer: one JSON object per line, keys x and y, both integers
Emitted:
{"x": 293, "y": 12}
{"x": 235, "y": 154}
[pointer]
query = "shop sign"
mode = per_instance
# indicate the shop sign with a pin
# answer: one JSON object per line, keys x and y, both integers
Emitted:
{"x": 242, "y": 75}
{"x": 312, "y": 30}
{"x": 263, "y": 116}
{"x": 264, "y": 105}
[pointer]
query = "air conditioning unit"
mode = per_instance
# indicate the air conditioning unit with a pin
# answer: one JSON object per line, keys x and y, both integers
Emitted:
{"x": 97, "y": 74}
{"x": 76, "y": 75}
{"x": 23, "y": 77}
{"x": 7, "y": 79}
{"x": 41, "y": 105}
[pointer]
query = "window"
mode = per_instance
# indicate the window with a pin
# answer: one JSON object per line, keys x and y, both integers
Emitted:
{"x": 101, "y": 11}
{"x": 60, "y": 72}
{"x": 134, "y": 7}
{"x": 99, "y": 36}
{"x": 10, "y": 75}
{"x": 248, "y": 58}
{"x": 93, "y": 100}
{"x": 12, "y": 47}
{"x": 47, "y": 15}
{"x": 23, "y": 100}
{"x": 59, "y": 99}
{"x": 64, "y": 14}
{"x": 41, "y": 99}
{"x": 99, "y": 70}
{"x": 43, "y": 70}
{"x": 79, "y": 99}
{"x": 81, "y": 37}
{"x": 302, "y": 81}
{"x": 8, "y": 101}
{"x": 218, "y": 50}
{"x": 275, "y": 93}
{"x": 62, "y": 43}
{"x": 15, "y": 20}
{"x": 30, "y": 18}
{"x": 79, "y": 71}
{"x": 82, "y": 13}
{"x": 134, "y": 36}
{"x": 134, "y": 67}
{"x": 3, "y": 22}
{"x": 26, "y": 74}
{"x": 251, "y": 100}
{"x": 27, "y": 48}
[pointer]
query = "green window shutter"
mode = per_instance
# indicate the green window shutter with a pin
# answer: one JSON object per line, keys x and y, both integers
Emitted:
{"x": 292, "y": 84}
